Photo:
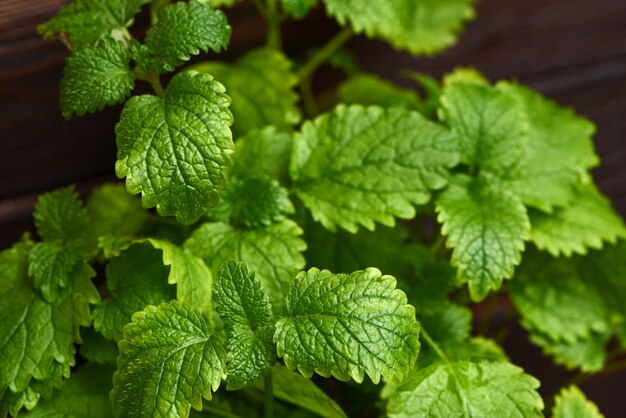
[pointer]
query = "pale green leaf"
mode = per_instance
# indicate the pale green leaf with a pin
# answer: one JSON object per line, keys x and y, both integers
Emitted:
{"x": 361, "y": 165}
{"x": 168, "y": 362}
{"x": 572, "y": 403}
{"x": 296, "y": 389}
{"x": 135, "y": 279}
{"x": 588, "y": 355}
{"x": 95, "y": 77}
{"x": 50, "y": 264}
{"x": 261, "y": 85}
{"x": 557, "y": 155}
{"x": 486, "y": 226}
{"x": 298, "y": 8}
{"x": 35, "y": 334}
{"x": 491, "y": 128}
{"x": 60, "y": 215}
{"x": 83, "y": 22}
{"x": 348, "y": 326}
{"x": 274, "y": 253}
{"x": 588, "y": 222}
{"x": 466, "y": 75}
{"x": 467, "y": 389}
{"x": 368, "y": 89}
{"x": 247, "y": 316}
{"x": 174, "y": 151}
{"x": 263, "y": 153}
{"x": 184, "y": 29}
{"x": 85, "y": 394}
{"x": 418, "y": 26}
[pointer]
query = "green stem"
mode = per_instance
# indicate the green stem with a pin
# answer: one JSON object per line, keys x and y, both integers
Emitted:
{"x": 320, "y": 57}
{"x": 437, "y": 245}
{"x": 310, "y": 105}
{"x": 155, "y": 82}
{"x": 269, "y": 396}
{"x": 273, "y": 20}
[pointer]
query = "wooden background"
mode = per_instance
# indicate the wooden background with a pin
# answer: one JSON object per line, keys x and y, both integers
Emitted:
{"x": 574, "y": 51}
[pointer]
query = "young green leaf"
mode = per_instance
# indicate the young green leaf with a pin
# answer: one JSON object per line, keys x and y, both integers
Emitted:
{"x": 261, "y": 85}
{"x": 247, "y": 316}
{"x": 37, "y": 334}
{"x": 136, "y": 278}
{"x": 572, "y": 403}
{"x": 50, "y": 264}
{"x": 168, "y": 362}
{"x": 348, "y": 326}
{"x": 587, "y": 354}
{"x": 60, "y": 215}
{"x": 84, "y": 22}
{"x": 588, "y": 222}
{"x": 467, "y": 389}
{"x": 418, "y": 26}
{"x": 360, "y": 165}
{"x": 464, "y": 75}
{"x": 263, "y": 153}
{"x": 298, "y": 8}
{"x": 184, "y": 29}
{"x": 557, "y": 155}
{"x": 274, "y": 253}
{"x": 368, "y": 89}
{"x": 85, "y": 394}
{"x": 487, "y": 226}
{"x": 174, "y": 150}
{"x": 95, "y": 77}
{"x": 491, "y": 127}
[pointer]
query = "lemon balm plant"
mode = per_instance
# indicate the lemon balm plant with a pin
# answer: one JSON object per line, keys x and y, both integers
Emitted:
{"x": 285, "y": 249}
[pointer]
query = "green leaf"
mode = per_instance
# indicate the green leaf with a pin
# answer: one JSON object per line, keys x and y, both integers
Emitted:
{"x": 572, "y": 403}
{"x": 348, "y": 326}
{"x": 185, "y": 29}
{"x": 360, "y": 165}
{"x": 112, "y": 211}
{"x": 247, "y": 316}
{"x": 85, "y": 394}
{"x": 491, "y": 127}
{"x": 587, "y": 222}
{"x": 302, "y": 392}
{"x": 487, "y": 227}
{"x": 368, "y": 89}
{"x": 261, "y": 85}
{"x": 50, "y": 264}
{"x": 135, "y": 279}
{"x": 252, "y": 202}
{"x": 298, "y": 8}
{"x": 418, "y": 26}
{"x": 168, "y": 362}
{"x": 95, "y": 77}
{"x": 83, "y": 22}
{"x": 97, "y": 349}
{"x": 175, "y": 150}
{"x": 466, "y": 389}
{"x": 557, "y": 155}
{"x": 466, "y": 75}
{"x": 273, "y": 252}
{"x": 263, "y": 153}
{"x": 587, "y": 354}
{"x": 36, "y": 334}
{"x": 60, "y": 215}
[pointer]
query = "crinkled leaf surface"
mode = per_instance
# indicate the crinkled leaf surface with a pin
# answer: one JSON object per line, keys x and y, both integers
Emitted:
{"x": 247, "y": 316}
{"x": 83, "y": 22}
{"x": 50, "y": 264}
{"x": 34, "y": 334}
{"x": 274, "y": 252}
{"x": 588, "y": 222}
{"x": 491, "y": 127}
{"x": 348, "y": 326}
{"x": 85, "y": 394}
{"x": 558, "y": 153}
{"x": 60, "y": 215}
{"x": 168, "y": 362}
{"x": 572, "y": 403}
{"x": 95, "y": 77}
{"x": 467, "y": 389}
{"x": 360, "y": 165}
{"x": 263, "y": 153}
{"x": 486, "y": 226}
{"x": 418, "y": 26}
{"x": 184, "y": 29}
{"x": 261, "y": 85}
{"x": 174, "y": 151}
{"x": 135, "y": 279}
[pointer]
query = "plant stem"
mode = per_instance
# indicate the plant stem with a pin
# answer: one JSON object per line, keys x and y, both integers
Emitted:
{"x": 155, "y": 82}
{"x": 437, "y": 245}
{"x": 310, "y": 105}
{"x": 269, "y": 396}
{"x": 324, "y": 53}
{"x": 273, "y": 20}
